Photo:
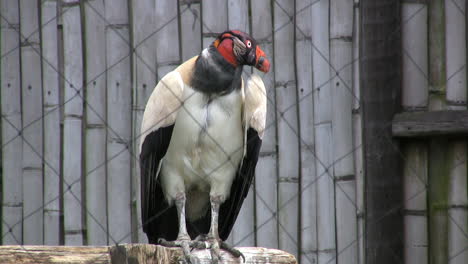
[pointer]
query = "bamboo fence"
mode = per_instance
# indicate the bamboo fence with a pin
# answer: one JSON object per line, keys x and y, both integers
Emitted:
{"x": 76, "y": 75}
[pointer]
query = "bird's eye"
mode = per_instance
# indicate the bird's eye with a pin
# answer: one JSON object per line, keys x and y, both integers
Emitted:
{"x": 249, "y": 44}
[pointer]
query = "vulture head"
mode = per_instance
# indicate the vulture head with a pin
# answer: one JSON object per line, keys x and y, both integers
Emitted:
{"x": 238, "y": 48}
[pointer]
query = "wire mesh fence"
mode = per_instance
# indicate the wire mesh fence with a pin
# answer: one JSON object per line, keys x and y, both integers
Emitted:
{"x": 76, "y": 76}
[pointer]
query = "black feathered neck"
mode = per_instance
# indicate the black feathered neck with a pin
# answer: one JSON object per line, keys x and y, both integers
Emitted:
{"x": 213, "y": 75}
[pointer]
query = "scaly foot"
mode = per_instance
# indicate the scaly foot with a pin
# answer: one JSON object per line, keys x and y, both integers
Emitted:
{"x": 187, "y": 245}
{"x": 215, "y": 245}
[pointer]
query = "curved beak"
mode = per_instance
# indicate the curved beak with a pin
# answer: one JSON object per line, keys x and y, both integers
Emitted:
{"x": 261, "y": 62}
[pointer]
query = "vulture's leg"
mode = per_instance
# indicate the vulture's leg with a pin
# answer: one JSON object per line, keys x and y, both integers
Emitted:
{"x": 213, "y": 235}
{"x": 180, "y": 204}
{"x": 183, "y": 239}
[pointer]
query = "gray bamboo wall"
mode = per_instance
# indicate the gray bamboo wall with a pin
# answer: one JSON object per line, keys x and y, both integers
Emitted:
{"x": 75, "y": 77}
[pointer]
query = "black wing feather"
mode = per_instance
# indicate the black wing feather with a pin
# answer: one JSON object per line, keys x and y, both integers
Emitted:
{"x": 159, "y": 219}
{"x": 240, "y": 187}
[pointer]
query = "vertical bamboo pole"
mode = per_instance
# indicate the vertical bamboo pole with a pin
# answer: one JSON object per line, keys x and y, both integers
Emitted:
{"x": 144, "y": 72}
{"x": 266, "y": 172}
{"x": 167, "y": 51}
{"x": 438, "y": 167}
{"x": 72, "y": 124}
{"x": 357, "y": 135}
{"x": 119, "y": 121}
{"x": 214, "y": 20}
{"x": 308, "y": 206}
{"x": 414, "y": 58}
{"x": 455, "y": 12}
{"x": 52, "y": 134}
{"x": 190, "y": 28}
{"x": 238, "y": 15}
{"x": 457, "y": 203}
{"x": 326, "y": 245}
{"x": 415, "y": 210}
{"x": 31, "y": 87}
{"x": 12, "y": 176}
{"x": 415, "y": 98}
{"x": 243, "y": 233}
{"x": 288, "y": 132}
{"x": 341, "y": 55}
{"x": 95, "y": 129}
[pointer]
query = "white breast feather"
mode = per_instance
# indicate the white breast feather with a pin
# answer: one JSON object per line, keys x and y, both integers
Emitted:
{"x": 163, "y": 104}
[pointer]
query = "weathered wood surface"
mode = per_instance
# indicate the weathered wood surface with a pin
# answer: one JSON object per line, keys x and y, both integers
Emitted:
{"x": 54, "y": 254}
{"x": 132, "y": 253}
{"x": 380, "y": 87}
{"x": 434, "y": 123}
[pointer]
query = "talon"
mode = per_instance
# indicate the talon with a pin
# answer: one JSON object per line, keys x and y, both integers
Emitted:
{"x": 186, "y": 245}
{"x": 243, "y": 257}
{"x": 235, "y": 252}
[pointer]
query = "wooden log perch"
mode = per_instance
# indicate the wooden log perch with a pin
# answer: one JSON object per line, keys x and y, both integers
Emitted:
{"x": 434, "y": 123}
{"x": 131, "y": 253}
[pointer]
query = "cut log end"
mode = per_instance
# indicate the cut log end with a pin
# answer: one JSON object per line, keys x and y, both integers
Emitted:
{"x": 132, "y": 253}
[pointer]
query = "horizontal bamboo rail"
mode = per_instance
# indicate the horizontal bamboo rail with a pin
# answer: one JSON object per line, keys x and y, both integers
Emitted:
{"x": 434, "y": 123}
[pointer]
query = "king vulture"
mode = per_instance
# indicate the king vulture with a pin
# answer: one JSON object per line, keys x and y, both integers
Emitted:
{"x": 200, "y": 138}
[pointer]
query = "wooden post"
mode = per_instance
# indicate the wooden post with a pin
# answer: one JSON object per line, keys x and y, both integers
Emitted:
{"x": 267, "y": 168}
{"x": 132, "y": 253}
{"x": 288, "y": 132}
{"x": 73, "y": 115}
{"x": 380, "y": 87}
{"x": 119, "y": 121}
{"x": 305, "y": 90}
{"x": 12, "y": 175}
{"x": 52, "y": 133}
{"x": 95, "y": 128}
